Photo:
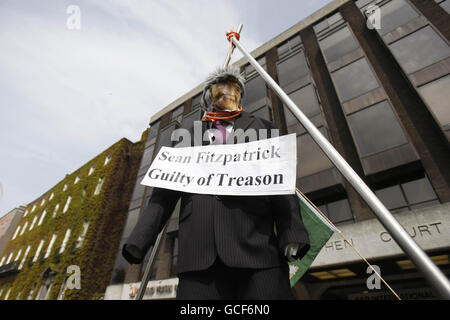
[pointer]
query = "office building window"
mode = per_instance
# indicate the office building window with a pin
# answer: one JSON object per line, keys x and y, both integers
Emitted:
{"x": 165, "y": 137}
{"x": 437, "y": 97}
{"x": 291, "y": 69}
{"x": 147, "y": 156}
{"x": 293, "y": 125}
{"x": 177, "y": 114}
{"x": 255, "y": 92}
{"x": 196, "y": 101}
{"x": 392, "y": 197}
{"x": 42, "y": 217}
{"x": 153, "y": 131}
{"x": 363, "y": 3}
{"x": 32, "y": 223}
{"x": 264, "y": 113}
{"x": 77, "y": 178}
{"x": 66, "y": 206}
{"x": 445, "y": 5}
{"x": 338, "y": 211}
{"x": 420, "y": 49}
{"x": 408, "y": 195}
{"x": 25, "y": 214}
{"x": 38, "y": 250}
{"x": 16, "y": 232}
{"x": 65, "y": 187}
{"x": 338, "y": 44}
{"x": 289, "y": 46}
{"x": 51, "y": 196}
{"x": 99, "y": 185}
{"x": 32, "y": 209}
{"x": 310, "y": 158}
{"x": 395, "y": 14}
{"x": 139, "y": 189}
{"x": 55, "y": 211}
{"x": 335, "y": 18}
{"x": 330, "y": 22}
{"x": 188, "y": 120}
{"x": 42, "y": 202}
{"x": 249, "y": 70}
{"x": 91, "y": 170}
{"x": 65, "y": 240}
{"x": 376, "y": 129}
{"x": 354, "y": 80}
{"x": 306, "y": 99}
{"x": 81, "y": 237}
{"x": 50, "y": 245}
{"x": 419, "y": 191}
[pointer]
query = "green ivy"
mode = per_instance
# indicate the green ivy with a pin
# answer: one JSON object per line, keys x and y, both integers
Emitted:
{"x": 106, "y": 213}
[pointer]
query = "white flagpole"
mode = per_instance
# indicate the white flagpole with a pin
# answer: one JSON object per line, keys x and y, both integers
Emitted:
{"x": 431, "y": 272}
{"x": 149, "y": 266}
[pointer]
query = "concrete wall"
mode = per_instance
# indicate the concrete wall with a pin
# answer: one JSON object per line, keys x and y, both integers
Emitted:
{"x": 429, "y": 227}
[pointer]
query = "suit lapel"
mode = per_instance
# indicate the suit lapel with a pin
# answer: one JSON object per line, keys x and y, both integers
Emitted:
{"x": 242, "y": 122}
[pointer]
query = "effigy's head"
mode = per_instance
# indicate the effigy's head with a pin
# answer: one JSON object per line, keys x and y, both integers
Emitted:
{"x": 223, "y": 90}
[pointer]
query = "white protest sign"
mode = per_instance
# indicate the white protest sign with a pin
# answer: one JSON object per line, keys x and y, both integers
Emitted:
{"x": 263, "y": 167}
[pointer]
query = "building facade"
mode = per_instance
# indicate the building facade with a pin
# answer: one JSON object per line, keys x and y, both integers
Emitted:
{"x": 65, "y": 244}
{"x": 374, "y": 77}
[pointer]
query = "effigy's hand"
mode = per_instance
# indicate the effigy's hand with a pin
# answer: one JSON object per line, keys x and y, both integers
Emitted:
{"x": 290, "y": 251}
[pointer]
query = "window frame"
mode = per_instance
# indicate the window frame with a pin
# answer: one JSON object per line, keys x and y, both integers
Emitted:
{"x": 353, "y": 133}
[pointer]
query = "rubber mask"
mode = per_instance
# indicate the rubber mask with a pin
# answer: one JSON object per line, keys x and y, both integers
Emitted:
{"x": 226, "y": 96}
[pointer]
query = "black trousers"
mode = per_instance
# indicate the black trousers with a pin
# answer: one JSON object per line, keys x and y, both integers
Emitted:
{"x": 220, "y": 282}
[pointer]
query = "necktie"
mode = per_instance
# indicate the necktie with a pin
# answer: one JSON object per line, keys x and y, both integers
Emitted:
{"x": 220, "y": 125}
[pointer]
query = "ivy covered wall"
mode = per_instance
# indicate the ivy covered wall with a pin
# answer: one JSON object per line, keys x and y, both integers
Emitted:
{"x": 105, "y": 212}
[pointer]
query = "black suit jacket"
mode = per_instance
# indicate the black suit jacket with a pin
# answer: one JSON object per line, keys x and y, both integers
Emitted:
{"x": 240, "y": 229}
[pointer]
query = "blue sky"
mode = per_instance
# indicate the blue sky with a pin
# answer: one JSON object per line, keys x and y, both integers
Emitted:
{"x": 67, "y": 95}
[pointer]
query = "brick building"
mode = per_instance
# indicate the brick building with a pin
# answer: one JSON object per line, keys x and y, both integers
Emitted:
{"x": 73, "y": 228}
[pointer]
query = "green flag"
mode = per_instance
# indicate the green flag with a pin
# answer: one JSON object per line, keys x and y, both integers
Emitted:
{"x": 319, "y": 230}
